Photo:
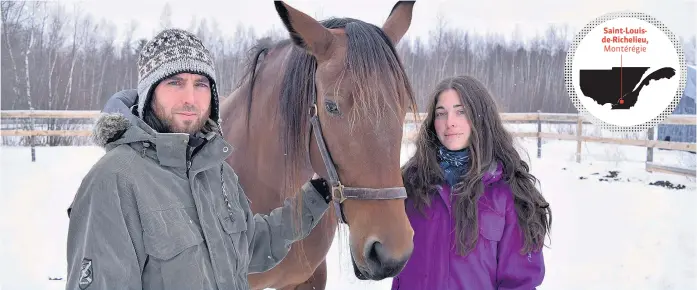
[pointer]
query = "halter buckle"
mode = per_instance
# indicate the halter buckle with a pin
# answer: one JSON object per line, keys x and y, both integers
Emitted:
{"x": 313, "y": 110}
{"x": 338, "y": 193}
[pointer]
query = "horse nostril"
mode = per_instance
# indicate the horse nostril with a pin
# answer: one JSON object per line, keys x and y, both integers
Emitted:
{"x": 377, "y": 253}
{"x": 379, "y": 261}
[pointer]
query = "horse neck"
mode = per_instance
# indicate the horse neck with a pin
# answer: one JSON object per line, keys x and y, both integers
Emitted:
{"x": 262, "y": 154}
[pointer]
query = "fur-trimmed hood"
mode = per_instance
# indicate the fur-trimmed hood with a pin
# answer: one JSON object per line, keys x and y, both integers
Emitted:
{"x": 117, "y": 118}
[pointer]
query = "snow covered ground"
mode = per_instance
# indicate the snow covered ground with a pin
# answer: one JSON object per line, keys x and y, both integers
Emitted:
{"x": 618, "y": 233}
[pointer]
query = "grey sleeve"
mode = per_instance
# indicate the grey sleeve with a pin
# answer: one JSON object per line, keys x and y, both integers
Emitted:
{"x": 101, "y": 253}
{"x": 270, "y": 236}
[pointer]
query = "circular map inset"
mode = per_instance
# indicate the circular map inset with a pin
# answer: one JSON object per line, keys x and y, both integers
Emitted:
{"x": 625, "y": 72}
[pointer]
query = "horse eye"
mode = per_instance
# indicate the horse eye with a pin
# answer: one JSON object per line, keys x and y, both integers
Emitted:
{"x": 331, "y": 107}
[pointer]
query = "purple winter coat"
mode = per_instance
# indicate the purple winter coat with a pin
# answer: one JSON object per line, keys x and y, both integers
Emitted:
{"x": 494, "y": 263}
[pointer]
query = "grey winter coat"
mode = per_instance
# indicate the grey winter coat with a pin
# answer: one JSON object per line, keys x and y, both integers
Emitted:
{"x": 147, "y": 216}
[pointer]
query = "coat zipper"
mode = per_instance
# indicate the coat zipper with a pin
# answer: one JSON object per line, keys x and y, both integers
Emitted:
{"x": 188, "y": 167}
{"x": 229, "y": 208}
{"x": 188, "y": 160}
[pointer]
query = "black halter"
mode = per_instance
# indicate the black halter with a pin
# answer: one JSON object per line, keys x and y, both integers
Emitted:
{"x": 339, "y": 192}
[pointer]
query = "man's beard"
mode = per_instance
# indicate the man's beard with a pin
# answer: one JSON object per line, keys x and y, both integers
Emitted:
{"x": 163, "y": 122}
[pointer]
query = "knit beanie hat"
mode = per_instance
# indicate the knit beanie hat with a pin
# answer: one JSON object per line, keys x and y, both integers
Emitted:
{"x": 171, "y": 52}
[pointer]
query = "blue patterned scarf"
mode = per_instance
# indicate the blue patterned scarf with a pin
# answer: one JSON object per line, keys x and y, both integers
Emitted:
{"x": 453, "y": 163}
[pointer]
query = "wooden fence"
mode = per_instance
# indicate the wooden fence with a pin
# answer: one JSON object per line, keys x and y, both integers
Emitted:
{"x": 536, "y": 118}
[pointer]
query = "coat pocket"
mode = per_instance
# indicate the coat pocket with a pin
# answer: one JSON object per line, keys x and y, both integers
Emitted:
{"x": 167, "y": 233}
{"x": 491, "y": 225}
{"x": 235, "y": 227}
{"x": 172, "y": 242}
{"x": 234, "y": 223}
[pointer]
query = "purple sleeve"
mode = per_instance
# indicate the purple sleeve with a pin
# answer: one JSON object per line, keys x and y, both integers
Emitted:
{"x": 517, "y": 271}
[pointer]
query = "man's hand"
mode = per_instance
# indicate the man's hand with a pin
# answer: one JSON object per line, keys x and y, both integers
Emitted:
{"x": 320, "y": 184}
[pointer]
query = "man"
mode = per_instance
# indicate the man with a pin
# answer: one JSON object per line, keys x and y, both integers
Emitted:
{"x": 161, "y": 209}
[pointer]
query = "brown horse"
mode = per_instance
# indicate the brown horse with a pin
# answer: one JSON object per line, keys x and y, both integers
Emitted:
{"x": 332, "y": 99}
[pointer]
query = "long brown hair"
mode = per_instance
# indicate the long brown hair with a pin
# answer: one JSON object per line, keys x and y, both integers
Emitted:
{"x": 490, "y": 142}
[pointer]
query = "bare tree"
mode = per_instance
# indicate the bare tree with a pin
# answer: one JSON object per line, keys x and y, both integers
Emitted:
{"x": 166, "y": 17}
{"x": 9, "y": 8}
{"x": 55, "y": 42}
{"x": 74, "y": 57}
{"x": 28, "y": 80}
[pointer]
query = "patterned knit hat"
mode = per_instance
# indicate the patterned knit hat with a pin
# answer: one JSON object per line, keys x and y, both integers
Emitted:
{"x": 171, "y": 52}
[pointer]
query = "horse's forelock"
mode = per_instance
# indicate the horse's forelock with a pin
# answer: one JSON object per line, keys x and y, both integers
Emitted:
{"x": 379, "y": 77}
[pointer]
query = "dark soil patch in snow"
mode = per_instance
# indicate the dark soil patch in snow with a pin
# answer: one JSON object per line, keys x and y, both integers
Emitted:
{"x": 612, "y": 175}
{"x": 667, "y": 184}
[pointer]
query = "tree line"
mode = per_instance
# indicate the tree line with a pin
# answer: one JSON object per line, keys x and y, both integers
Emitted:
{"x": 55, "y": 60}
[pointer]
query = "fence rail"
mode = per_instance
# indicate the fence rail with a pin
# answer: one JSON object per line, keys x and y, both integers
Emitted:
{"x": 49, "y": 114}
{"x": 580, "y": 120}
{"x": 567, "y": 118}
{"x": 539, "y": 118}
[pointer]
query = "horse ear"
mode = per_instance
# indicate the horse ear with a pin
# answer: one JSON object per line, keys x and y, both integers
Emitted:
{"x": 305, "y": 31}
{"x": 399, "y": 20}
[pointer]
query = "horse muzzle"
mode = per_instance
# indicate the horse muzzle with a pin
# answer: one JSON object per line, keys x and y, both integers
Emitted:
{"x": 378, "y": 264}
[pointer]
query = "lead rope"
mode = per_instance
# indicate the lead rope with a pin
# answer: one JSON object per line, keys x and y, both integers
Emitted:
{"x": 222, "y": 178}
{"x": 225, "y": 197}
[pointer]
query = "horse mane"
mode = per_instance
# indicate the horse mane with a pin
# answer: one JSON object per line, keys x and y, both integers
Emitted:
{"x": 254, "y": 64}
{"x": 372, "y": 62}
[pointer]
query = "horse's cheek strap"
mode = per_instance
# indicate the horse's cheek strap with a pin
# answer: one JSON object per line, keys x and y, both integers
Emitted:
{"x": 328, "y": 164}
{"x": 339, "y": 212}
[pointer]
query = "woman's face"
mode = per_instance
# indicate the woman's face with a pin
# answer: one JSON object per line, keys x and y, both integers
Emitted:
{"x": 451, "y": 124}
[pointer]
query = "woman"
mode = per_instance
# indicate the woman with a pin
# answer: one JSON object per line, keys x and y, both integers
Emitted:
{"x": 479, "y": 222}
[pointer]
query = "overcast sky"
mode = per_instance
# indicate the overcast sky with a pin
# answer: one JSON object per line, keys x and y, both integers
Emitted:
{"x": 499, "y": 16}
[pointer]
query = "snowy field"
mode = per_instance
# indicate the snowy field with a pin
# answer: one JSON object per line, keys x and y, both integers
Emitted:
{"x": 615, "y": 232}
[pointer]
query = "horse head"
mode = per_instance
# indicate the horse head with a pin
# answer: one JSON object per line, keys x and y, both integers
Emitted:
{"x": 356, "y": 99}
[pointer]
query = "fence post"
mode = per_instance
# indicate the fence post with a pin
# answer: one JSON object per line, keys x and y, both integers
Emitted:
{"x": 31, "y": 139}
{"x": 649, "y": 150}
{"x": 579, "y": 135}
{"x": 539, "y": 138}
